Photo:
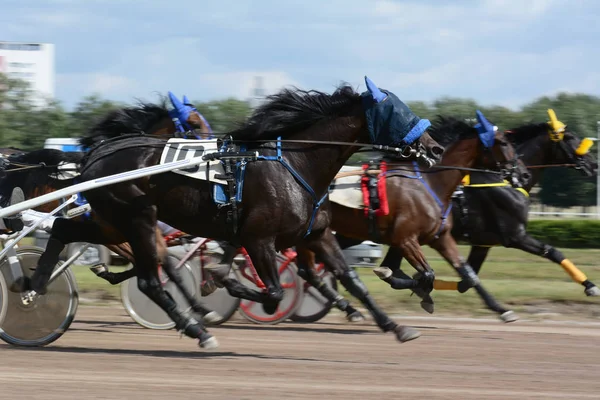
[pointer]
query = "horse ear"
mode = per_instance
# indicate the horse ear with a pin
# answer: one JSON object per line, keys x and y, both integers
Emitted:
{"x": 186, "y": 100}
{"x": 177, "y": 104}
{"x": 377, "y": 94}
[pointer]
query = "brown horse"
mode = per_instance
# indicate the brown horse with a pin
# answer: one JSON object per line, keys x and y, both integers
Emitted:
{"x": 419, "y": 205}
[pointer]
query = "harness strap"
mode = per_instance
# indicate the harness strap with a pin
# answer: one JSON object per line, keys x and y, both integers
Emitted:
{"x": 316, "y": 202}
{"x": 418, "y": 176}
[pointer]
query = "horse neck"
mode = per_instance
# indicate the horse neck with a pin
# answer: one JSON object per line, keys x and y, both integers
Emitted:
{"x": 537, "y": 151}
{"x": 318, "y": 164}
{"x": 462, "y": 154}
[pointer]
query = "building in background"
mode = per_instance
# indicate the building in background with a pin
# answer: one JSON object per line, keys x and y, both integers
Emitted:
{"x": 258, "y": 92}
{"x": 30, "y": 62}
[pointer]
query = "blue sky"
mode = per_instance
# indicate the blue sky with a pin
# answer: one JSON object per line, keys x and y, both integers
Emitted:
{"x": 496, "y": 52}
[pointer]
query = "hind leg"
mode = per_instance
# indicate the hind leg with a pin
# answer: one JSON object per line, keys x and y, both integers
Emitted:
{"x": 139, "y": 225}
{"x": 264, "y": 258}
{"x": 447, "y": 247}
{"x": 170, "y": 268}
{"x": 65, "y": 231}
{"x": 534, "y": 246}
{"x": 326, "y": 248}
{"x": 477, "y": 256}
{"x": 220, "y": 272}
{"x": 422, "y": 287}
{"x": 306, "y": 262}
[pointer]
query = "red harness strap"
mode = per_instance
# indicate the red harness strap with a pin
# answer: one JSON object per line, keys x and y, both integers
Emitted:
{"x": 384, "y": 208}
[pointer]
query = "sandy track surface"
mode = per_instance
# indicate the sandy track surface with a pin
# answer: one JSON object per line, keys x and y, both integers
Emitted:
{"x": 106, "y": 356}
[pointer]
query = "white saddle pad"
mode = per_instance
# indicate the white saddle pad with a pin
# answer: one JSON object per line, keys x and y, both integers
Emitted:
{"x": 346, "y": 191}
{"x": 184, "y": 149}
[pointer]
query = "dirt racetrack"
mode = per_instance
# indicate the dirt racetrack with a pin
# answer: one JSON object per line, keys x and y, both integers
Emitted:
{"x": 107, "y": 356}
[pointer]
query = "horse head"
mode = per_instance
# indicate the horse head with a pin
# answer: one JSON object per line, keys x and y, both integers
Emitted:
{"x": 186, "y": 117}
{"x": 391, "y": 122}
{"x": 499, "y": 152}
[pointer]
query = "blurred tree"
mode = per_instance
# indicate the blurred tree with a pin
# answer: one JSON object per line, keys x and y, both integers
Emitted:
{"x": 25, "y": 125}
{"x": 224, "y": 115}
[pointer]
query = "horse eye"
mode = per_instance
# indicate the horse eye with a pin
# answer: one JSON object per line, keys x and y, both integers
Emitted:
{"x": 503, "y": 144}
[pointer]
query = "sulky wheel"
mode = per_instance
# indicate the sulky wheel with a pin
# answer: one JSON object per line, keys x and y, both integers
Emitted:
{"x": 46, "y": 317}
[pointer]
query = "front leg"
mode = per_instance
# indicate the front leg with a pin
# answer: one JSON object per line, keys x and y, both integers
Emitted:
{"x": 326, "y": 248}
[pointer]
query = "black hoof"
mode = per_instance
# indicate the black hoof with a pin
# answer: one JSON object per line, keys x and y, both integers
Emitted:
{"x": 406, "y": 333}
{"x": 270, "y": 307}
{"x": 355, "y": 316}
{"x": 20, "y": 285}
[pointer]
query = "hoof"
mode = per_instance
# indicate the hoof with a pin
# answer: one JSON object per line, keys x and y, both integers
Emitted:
{"x": 592, "y": 291}
{"x": 356, "y": 316}
{"x": 209, "y": 343}
{"x": 99, "y": 269}
{"x": 212, "y": 317}
{"x": 509, "y": 316}
{"x": 20, "y": 285}
{"x": 382, "y": 272}
{"x": 406, "y": 333}
{"x": 270, "y": 307}
{"x": 219, "y": 272}
{"x": 428, "y": 306}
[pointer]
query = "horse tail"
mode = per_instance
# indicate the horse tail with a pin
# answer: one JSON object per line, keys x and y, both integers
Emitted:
{"x": 38, "y": 172}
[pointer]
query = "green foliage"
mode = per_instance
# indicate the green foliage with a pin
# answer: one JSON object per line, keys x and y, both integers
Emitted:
{"x": 26, "y": 126}
{"x": 224, "y": 115}
{"x": 577, "y": 234}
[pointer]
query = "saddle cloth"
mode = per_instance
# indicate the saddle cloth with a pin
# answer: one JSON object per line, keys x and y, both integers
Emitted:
{"x": 178, "y": 149}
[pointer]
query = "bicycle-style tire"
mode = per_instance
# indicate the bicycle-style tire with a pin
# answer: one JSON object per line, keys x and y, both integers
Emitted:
{"x": 292, "y": 296}
{"x": 218, "y": 300}
{"x": 314, "y": 306}
{"x": 147, "y": 313}
{"x": 48, "y": 317}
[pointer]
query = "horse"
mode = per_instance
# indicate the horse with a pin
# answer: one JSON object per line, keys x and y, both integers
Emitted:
{"x": 284, "y": 188}
{"x": 419, "y": 205}
{"x": 43, "y": 171}
{"x": 497, "y": 214}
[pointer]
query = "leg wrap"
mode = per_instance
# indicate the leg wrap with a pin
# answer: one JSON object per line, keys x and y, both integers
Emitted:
{"x": 573, "y": 271}
{"x": 468, "y": 275}
{"x": 554, "y": 255}
{"x": 439, "y": 284}
{"x": 354, "y": 285}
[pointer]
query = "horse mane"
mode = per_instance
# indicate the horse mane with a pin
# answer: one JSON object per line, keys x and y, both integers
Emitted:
{"x": 293, "y": 110}
{"x": 35, "y": 178}
{"x": 446, "y": 130}
{"x": 136, "y": 119}
{"x": 524, "y": 133}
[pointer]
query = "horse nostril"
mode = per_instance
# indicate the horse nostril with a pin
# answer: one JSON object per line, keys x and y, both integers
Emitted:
{"x": 437, "y": 151}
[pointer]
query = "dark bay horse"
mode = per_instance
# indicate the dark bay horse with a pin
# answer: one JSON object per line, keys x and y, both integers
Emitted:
{"x": 497, "y": 214}
{"x": 419, "y": 205}
{"x": 284, "y": 191}
{"x": 148, "y": 118}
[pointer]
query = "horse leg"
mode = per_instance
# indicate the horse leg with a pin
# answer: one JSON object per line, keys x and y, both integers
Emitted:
{"x": 390, "y": 272}
{"x": 221, "y": 276}
{"x": 64, "y": 231}
{"x": 169, "y": 266}
{"x": 115, "y": 278}
{"x": 534, "y": 246}
{"x": 446, "y": 246}
{"x": 140, "y": 230}
{"x": 327, "y": 249}
{"x": 306, "y": 270}
{"x": 477, "y": 256}
{"x": 423, "y": 285}
{"x": 264, "y": 257}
